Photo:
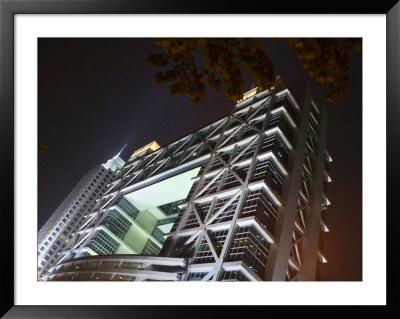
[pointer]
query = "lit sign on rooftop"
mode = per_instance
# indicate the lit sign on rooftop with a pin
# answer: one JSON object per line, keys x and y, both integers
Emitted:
{"x": 248, "y": 94}
{"x": 151, "y": 147}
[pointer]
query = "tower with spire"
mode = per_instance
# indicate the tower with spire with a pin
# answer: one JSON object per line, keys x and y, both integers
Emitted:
{"x": 56, "y": 233}
{"x": 115, "y": 162}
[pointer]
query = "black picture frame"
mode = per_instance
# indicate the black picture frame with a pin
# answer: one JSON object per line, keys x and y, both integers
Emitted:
{"x": 9, "y": 8}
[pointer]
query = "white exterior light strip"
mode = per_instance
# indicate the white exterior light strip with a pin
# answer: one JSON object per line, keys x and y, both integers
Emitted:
{"x": 285, "y": 112}
{"x": 261, "y": 184}
{"x": 270, "y": 155}
{"x": 252, "y": 221}
{"x": 287, "y": 93}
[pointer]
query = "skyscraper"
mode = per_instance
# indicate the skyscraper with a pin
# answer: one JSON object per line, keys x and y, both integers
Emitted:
{"x": 56, "y": 233}
{"x": 243, "y": 198}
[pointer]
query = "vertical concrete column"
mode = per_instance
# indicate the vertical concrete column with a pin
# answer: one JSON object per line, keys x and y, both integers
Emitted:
{"x": 278, "y": 258}
{"x": 313, "y": 215}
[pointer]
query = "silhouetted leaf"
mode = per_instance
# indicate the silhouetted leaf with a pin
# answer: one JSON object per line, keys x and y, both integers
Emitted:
{"x": 222, "y": 61}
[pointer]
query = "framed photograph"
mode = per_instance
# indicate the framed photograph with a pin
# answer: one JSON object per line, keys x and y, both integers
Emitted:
{"x": 202, "y": 186}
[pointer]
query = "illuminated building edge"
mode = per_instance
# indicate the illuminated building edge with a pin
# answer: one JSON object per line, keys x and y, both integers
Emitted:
{"x": 256, "y": 209}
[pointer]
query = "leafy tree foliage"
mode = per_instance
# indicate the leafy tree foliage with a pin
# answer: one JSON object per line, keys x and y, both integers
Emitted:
{"x": 190, "y": 64}
{"x": 327, "y": 62}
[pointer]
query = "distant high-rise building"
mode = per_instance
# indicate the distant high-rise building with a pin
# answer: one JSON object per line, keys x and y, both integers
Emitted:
{"x": 56, "y": 233}
{"x": 243, "y": 198}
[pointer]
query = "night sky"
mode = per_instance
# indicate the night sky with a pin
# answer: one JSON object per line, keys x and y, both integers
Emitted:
{"x": 96, "y": 95}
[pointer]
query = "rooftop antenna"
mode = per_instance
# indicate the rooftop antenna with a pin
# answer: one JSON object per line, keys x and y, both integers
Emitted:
{"x": 120, "y": 151}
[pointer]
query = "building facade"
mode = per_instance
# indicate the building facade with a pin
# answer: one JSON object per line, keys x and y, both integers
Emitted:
{"x": 241, "y": 199}
{"x": 56, "y": 233}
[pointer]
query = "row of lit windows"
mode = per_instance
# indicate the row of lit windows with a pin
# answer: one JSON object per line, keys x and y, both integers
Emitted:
{"x": 232, "y": 181}
{"x": 219, "y": 161}
{"x": 103, "y": 244}
{"x": 92, "y": 277}
{"x": 233, "y": 276}
{"x": 180, "y": 250}
{"x": 177, "y": 220}
{"x": 151, "y": 248}
{"x": 259, "y": 205}
{"x": 171, "y": 208}
{"x": 204, "y": 254}
{"x": 275, "y": 144}
{"x": 158, "y": 234}
{"x": 196, "y": 276}
{"x": 227, "y": 213}
{"x": 117, "y": 224}
{"x": 267, "y": 171}
{"x": 214, "y": 186}
{"x": 202, "y": 209}
{"x": 248, "y": 153}
{"x": 191, "y": 221}
{"x": 128, "y": 207}
{"x": 218, "y": 238}
{"x": 251, "y": 247}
